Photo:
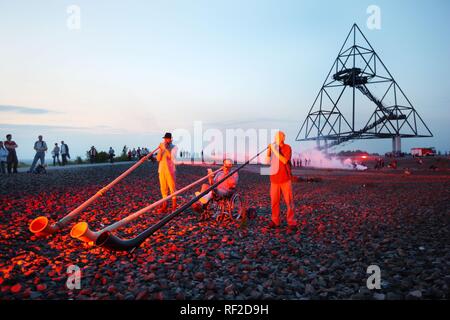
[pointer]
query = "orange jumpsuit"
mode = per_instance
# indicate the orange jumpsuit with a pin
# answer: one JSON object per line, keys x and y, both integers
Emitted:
{"x": 166, "y": 170}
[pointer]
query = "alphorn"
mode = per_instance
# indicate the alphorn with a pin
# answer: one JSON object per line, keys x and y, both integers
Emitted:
{"x": 41, "y": 225}
{"x": 110, "y": 241}
{"x": 82, "y": 232}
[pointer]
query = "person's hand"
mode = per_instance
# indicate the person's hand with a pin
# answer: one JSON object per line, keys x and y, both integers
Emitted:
{"x": 269, "y": 150}
{"x": 162, "y": 146}
{"x": 273, "y": 146}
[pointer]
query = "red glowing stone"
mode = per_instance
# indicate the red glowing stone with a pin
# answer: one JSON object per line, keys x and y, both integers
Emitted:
{"x": 159, "y": 296}
{"x": 112, "y": 289}
{"x": 16, "y": 288}
{"x": 41, "y": 287}
{"x": 199, "y": 276}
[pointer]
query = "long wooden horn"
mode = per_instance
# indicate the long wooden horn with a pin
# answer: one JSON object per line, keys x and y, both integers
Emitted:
{"x": 41, "y": 226}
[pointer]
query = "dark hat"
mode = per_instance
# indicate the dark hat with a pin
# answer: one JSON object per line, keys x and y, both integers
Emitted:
{"x": 168, "y": 135}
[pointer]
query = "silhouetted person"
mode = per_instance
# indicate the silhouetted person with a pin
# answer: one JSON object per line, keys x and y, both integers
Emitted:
{"x": 138, "y": 153}
{"x": 41, "y": 147}
{"x": 12, "y": 160}
{"x": 111, "y": 155}
{"x": 55, "y": 155}
{"x": 393, "y": 164}
{"x": 3, "y": 158}
{"x": 64, "y": 153}
{"x": 92, "y": 154}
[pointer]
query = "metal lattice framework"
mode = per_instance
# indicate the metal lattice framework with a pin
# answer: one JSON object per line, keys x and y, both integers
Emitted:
{"x": 356, "y": 73}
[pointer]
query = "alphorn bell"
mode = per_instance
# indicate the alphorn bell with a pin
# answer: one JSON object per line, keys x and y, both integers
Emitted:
{"x": 41, "y": 225}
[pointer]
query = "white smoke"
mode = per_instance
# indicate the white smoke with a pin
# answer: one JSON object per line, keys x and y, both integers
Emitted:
{"x": 319, "y": 159}
{"x": 349, "y": 164}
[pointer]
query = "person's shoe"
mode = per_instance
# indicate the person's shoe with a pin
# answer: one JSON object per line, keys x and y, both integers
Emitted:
{"x": 163, "y": 208}
{"x": 174, "y": 205}
{"x": 202, "y": 199}
{"x": 272, "y": 225}
{"x": 197, "y": 207}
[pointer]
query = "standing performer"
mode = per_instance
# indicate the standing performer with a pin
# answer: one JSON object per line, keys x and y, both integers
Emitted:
{"x": 279, "y": 157}
{"x": 166, "y": 169}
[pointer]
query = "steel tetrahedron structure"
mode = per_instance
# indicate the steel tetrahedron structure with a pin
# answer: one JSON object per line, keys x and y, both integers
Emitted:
{"x": 360, "y": 87}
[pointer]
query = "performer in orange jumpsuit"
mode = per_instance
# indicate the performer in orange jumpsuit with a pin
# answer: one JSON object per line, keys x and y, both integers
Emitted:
{"x": 279, "y": 157}
{"x": 166, "y": 170}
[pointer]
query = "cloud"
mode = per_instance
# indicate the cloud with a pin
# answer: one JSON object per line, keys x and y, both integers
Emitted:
{"x": 257, "y": 122}
{"x": 39, "y": 127}
{"x": 27, "y": 110}
{"x": 94, "y": 130}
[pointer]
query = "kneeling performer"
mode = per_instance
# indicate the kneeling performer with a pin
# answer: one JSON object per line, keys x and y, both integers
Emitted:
{"x": 225, "y": 189}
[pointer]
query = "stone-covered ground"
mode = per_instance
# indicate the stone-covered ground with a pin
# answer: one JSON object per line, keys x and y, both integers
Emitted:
{"x": 348, "y": 221}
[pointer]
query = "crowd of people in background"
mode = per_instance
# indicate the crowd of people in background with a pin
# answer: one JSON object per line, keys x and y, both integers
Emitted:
{"x": 130, "y": 154}
{"x": 9, "y": 160}
{"x": 136, "y": 154}
{"x": 298, "y": 162}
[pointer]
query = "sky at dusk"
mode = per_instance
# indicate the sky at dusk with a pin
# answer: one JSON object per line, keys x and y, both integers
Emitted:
{"x": 136, "y": 69}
